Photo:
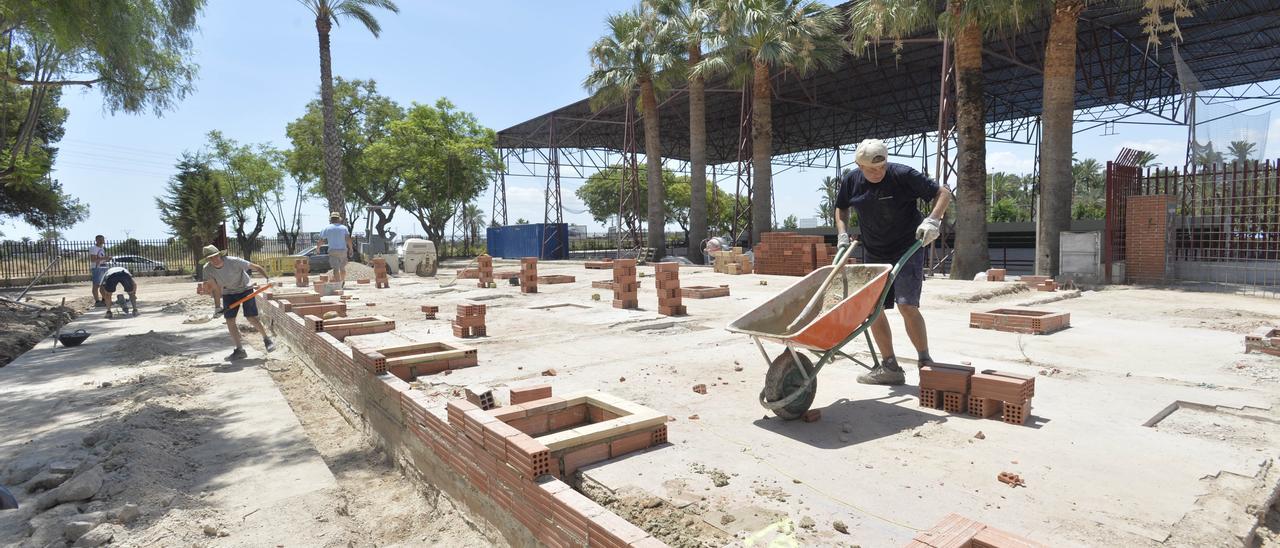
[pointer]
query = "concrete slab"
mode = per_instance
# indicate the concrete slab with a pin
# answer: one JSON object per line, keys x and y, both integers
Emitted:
{"x": 877, "y": 461}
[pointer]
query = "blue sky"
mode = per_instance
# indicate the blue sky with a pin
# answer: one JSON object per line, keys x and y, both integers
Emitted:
{"x": 505, "y": 62}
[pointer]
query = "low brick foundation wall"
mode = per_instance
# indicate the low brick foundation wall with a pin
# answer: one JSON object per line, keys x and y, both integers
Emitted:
{"x": 500, "y": 473}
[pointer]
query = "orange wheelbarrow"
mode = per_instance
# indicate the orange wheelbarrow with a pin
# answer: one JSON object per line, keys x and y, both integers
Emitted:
{"x": 792, "y": 380}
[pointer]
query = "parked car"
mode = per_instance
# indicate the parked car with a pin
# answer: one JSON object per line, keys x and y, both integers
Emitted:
{"x": 318, "y": 257}
{"x": 136, "y": 263}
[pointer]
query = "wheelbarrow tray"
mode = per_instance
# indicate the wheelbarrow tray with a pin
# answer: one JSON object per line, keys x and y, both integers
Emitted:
{"x": 826, "y": 331}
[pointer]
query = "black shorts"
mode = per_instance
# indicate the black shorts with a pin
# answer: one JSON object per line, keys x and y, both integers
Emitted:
{"x": 907, "y": 286}
{"x": 250, "y": 306}
{"x": 119, "y": 278}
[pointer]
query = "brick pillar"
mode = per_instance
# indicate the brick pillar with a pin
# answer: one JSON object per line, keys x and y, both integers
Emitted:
{"x": 1147, "y": 237}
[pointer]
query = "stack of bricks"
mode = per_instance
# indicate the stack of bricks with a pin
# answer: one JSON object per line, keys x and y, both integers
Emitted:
{"x": 301, "y": 268}
{"x": 994, "y": 393}
{"x": 791, "y": 254}
{"x": 955, "y": 531}
{"x": 1020, "y": 320}
{"x": 556, "y": 279}
{"x": 945, "y": 386}
{"x": 995, "y": 274}
{"x": 1039, "y": 283}
{"x": 733, "y": 262}
{"x": 529, "y": 275}
{"x": 625, "y": 286}
{"x": 341, "y": 328}
{"x": 667, "y": 281}
{"x": 430, "y": 310}
{"x": 469, "y": 321}
{"x": 380, "y": 273}
{"x": 484, "y": 264}
{"x": 1263, "y": 339}
{"x": 603, "y": 264}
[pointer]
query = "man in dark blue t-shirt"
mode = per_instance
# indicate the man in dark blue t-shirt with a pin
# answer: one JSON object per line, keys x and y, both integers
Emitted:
{"x": 886, "y": 196}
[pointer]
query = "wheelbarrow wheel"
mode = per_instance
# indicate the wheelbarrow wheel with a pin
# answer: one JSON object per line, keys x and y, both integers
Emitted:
{"x": 784, "y": 378}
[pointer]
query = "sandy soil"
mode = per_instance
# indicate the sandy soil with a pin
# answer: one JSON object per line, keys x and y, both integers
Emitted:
{"x": 151, "y": 442}
{"x": 24, "y": 327}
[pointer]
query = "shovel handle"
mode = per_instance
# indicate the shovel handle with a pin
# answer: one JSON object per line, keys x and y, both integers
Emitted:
{"x": 837, "y": 268}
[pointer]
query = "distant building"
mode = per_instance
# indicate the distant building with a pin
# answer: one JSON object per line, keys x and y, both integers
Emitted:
{"x": 807, "y": 222}
{"x": 577, "y": 231}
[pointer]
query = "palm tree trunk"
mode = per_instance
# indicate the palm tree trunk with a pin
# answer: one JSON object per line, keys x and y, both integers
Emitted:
{"x": 697, "y": 161}
{"x": 1055, "y": 150}
{"x": 333, "y": 190}
{"x": 971, "y": 255}
{"x": 653, "y": 160}
{"x": 761, "y": 152}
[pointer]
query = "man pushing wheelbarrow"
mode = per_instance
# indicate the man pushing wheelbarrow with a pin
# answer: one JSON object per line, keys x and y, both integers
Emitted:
{"x": 885, "y": 196}
{"x": 821, "y": 317}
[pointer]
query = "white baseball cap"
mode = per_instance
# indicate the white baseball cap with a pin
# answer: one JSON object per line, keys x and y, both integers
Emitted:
{"x": 871, "y": 152}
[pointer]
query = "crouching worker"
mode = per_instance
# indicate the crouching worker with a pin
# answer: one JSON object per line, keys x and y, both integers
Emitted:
{"x": 119, "y": 276}
{"x": 230, "y": 277}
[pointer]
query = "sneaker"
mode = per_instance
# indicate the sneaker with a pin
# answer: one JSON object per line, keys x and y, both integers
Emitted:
{"x": 886, "y": 373}
{"x": 99, "y": 303}
{"x": 270, "y": 344}
{"x": 108, "y": 313}
{"x": 238, "y": 354}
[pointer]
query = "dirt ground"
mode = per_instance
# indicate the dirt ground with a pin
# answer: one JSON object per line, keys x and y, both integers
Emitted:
{"x": 24, "y": 327}
{"x": 151, "y": 452}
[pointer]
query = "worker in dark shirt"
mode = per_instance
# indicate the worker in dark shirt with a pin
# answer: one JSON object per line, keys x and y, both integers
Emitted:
{"x": 886, "y": 196}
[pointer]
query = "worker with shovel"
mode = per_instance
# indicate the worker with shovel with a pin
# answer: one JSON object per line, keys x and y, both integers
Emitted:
{"x": 886, "y": 196}
{"x": 230, "y": 277}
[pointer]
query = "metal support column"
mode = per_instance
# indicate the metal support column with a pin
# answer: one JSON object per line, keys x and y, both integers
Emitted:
{"x": 553, "y": 210}
{"x": 629, "y": 224}
{"x": 499, "y": 210}
{"x": 742, "y": 207}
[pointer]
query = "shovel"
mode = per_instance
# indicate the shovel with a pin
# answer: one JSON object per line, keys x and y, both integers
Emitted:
{"x": 232, "y": 306}
{"x": 811, "y": 308}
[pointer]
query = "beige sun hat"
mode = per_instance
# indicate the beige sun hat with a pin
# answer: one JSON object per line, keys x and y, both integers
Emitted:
{"x": 209, "y": 252}
{"x": 871, "y": 152}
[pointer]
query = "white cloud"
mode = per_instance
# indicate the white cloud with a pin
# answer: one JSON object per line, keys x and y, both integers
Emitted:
{"x": 1009, "y": 162}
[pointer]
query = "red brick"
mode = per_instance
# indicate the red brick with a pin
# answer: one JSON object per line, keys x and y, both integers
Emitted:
{"x": 530, "y": 393}
{"x": 629, "y": 443}
{"x": 579, "y": 457}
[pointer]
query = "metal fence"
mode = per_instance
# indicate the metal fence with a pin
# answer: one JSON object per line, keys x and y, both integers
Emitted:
{"x": 1226, "y": 224}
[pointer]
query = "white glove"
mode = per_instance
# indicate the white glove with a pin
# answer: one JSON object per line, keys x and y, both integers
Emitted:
{"x": 842, "y": 240}
{"x": 928, "y": 231}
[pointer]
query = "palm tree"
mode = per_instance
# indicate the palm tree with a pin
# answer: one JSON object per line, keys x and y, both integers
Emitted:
{"x": 1145, "y": 158}
{"x": 963, "y": 23}
{"x": 473, "y": 222}
{"x": 690, "y": 23}
{"x": 1240, "y": 151}
{"x": 758, "y": 38}
{"x": 638, "y": 52}
{"x": 329, "y": 13}
{"x": 827, "y": 204}
{"x": 1056, "y": 120}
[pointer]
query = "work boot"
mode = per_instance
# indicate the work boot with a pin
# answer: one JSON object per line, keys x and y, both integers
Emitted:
{"x": 237, "y": 354}
{"x": 270, "y": 344}
{"x": 99, "y": 303}
{"x": 887, "y": 372}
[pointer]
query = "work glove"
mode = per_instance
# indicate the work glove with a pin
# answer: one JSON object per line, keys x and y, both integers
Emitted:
{"x": 842, "y": 240}
{"x": 928, "y": 230}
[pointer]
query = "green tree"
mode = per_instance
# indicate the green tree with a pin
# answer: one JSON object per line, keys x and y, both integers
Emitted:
{"x": 756, "y": 40}
{"x": 790, "y": 223}
{"x": 827, "y": 205}
{"x": 963, "y": 23}
{"x": 522, "y": 221}
{"x": 1240, "y": 151}
{"x": 136, "y": 54}
{"x": 248, "y": 177}
{"x": 691, "y": 24}
{"x": 329, "y": 13}
{"x": 192, "y": 205}
{"x": 27, "y": 191}
{"x": 364, "y": 119}
{"x": 1145, "y": 158}
{"x": 600, "y": 194}
{"x": 638, "y": 53}
{"x": 445, "y": 158}
{"x": 1006, "y": 210}
{"x": 1089, "y": 201}
{"x": 473, "y": 222}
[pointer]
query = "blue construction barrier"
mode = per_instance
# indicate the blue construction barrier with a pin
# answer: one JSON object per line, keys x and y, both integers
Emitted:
{"x": 544, "y": 241}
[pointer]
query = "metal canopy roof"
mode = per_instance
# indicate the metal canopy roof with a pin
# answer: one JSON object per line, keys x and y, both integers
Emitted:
{"x": 1226, "y": 43}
